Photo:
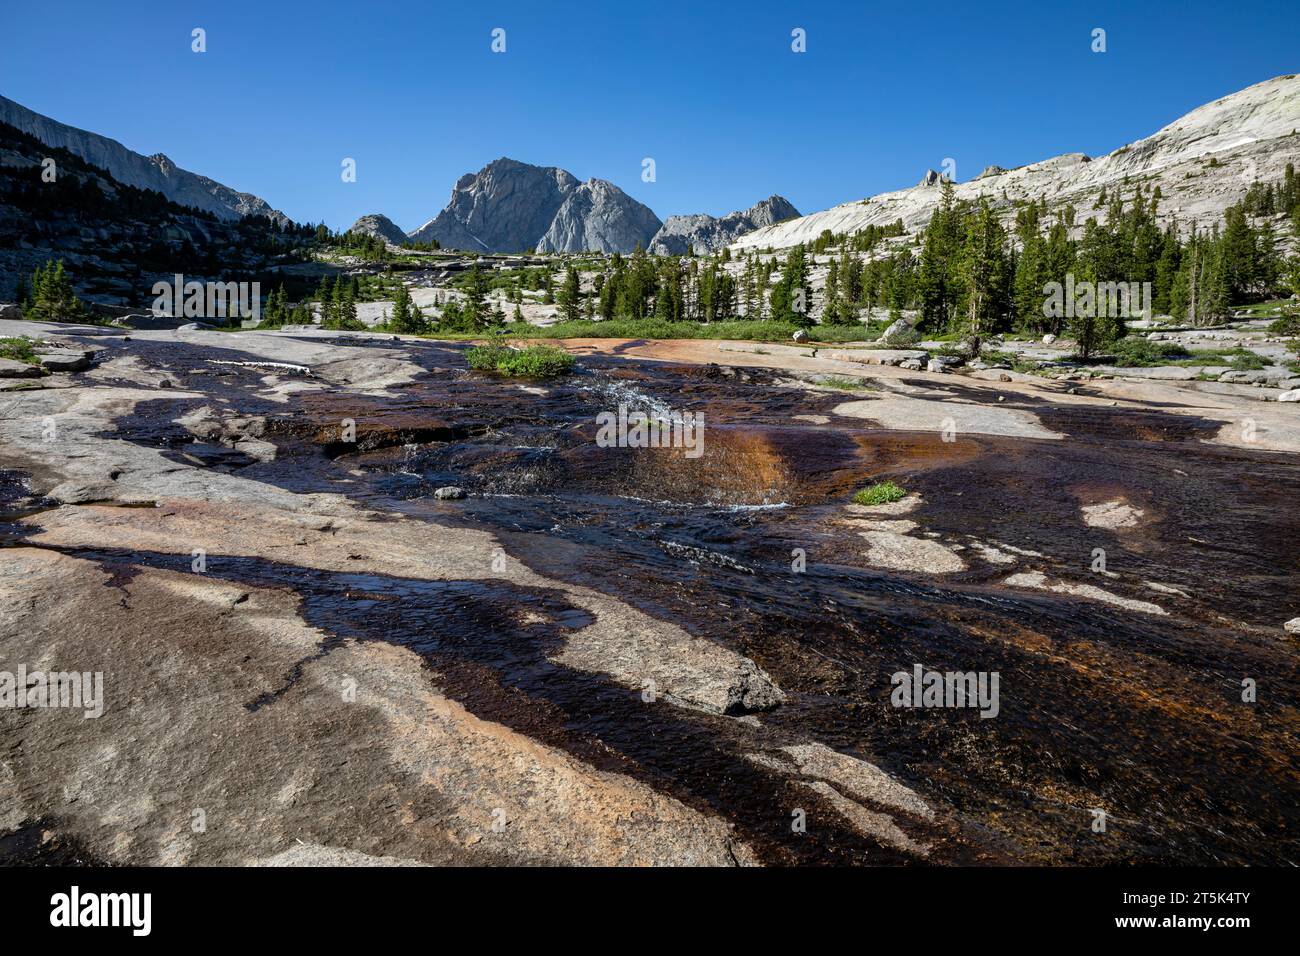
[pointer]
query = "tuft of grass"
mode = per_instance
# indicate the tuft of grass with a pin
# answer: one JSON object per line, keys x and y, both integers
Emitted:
{"x": 19, "y": 349}
{"x": 847, "y": 384}
{"x": 881, "y": 493}
{"x": 1247, "y": 361}
{"x": 535, "y": 361}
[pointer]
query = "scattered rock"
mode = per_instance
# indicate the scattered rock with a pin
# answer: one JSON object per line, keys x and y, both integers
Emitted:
{"x": 876, "y": 356}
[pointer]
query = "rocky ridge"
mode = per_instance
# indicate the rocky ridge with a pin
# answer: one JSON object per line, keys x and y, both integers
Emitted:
{"x": 1203, "y": 162}
{"x": 155, "y": 172}
{"x": 703, "y": 233}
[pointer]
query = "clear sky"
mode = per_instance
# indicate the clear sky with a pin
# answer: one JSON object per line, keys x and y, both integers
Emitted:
{"x": 712, "y": 91}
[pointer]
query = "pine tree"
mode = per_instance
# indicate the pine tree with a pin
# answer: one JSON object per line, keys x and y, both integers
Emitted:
{"x": 790, "y": 300}
{"x": 984, "y": 271}
{"x": 475, "y": 307}
{"x": 831, "y": 310}
{"x": 53, "y": 298}
{"x": 938, "y": 279}
{"x": 570, "y": 297}
{"x": 403, "y": 319}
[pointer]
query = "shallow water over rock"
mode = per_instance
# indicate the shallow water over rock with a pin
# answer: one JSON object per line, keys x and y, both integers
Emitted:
{"x": 753, "y": 546}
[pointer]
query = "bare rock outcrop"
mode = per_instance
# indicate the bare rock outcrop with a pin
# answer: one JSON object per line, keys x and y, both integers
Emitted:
{"x": 600, "y": 217}
{"x": 1202, "y": 162}
{"x": 509, "y": 206}
{"x": 377, "y": 224}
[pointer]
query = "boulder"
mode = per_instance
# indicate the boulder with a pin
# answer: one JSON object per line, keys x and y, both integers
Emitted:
{"x": 1292, "y": 626}
{"x": 1049, "y": 338}
{"x": 1292, "y": 396}
{"x": 256, "y": 449}
{"x": 897, "y": 327}
{"x": 449, "y": 493}
{"x": 800, "y": 335}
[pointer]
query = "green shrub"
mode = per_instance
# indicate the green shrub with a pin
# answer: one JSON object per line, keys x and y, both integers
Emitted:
{"x": 1288, "y": 324}
{"x": 1244, "y": 360}
{"x": 1135, "y": 352}
{"x": 881, "y": 493}
{"x": 535, "y": 361}
{"x": 19, "y": 349}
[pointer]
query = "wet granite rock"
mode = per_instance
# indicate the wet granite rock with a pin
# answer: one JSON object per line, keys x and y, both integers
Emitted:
{"x": 64, "y": 361}
{"x": 9, "y": 368}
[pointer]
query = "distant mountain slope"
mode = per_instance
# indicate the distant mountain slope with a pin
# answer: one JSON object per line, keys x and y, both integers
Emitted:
{"x": 133, "y": 169}
{"x": 1249, "y": 135}
{"x": 682, "y": 234}
{"x": 115, "y": 239}
{"x": 509, "y": 206}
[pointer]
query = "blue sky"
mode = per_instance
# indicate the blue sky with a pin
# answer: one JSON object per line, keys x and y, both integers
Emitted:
{"x": 711, "y": 91}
